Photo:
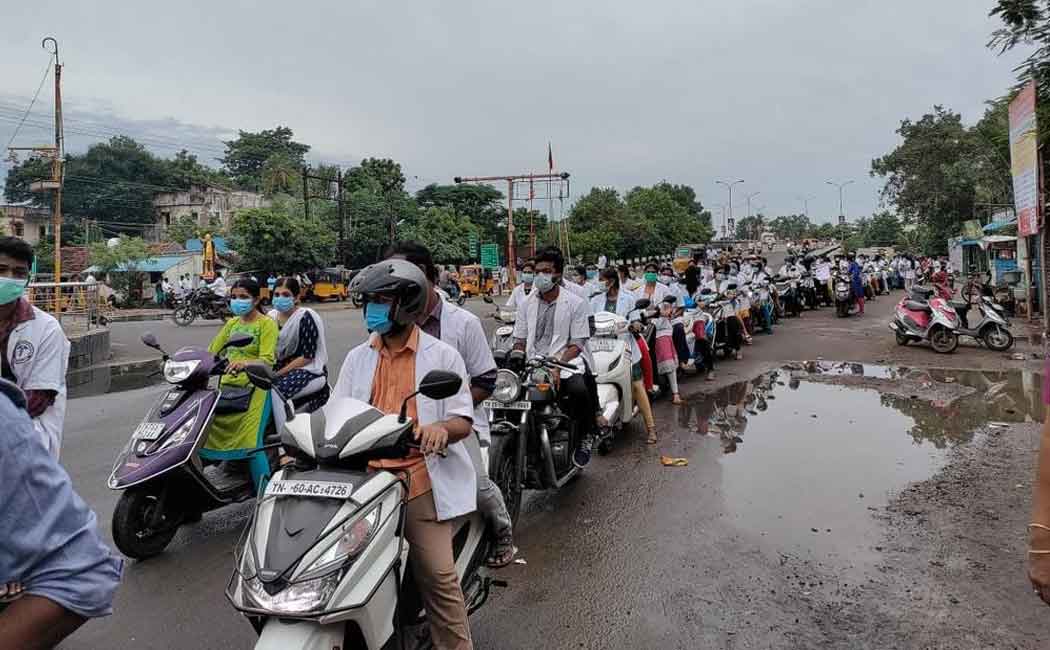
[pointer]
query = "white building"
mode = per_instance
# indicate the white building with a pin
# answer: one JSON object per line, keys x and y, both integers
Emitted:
{"x": 25, "y": 221}
{"x": 205, "y": 204}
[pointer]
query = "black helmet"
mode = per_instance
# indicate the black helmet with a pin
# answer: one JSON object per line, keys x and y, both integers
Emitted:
{"x": 399, "y": 278}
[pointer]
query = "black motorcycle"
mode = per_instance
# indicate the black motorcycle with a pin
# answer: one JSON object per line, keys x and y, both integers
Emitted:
{"x": 200, "y": 303}
{"x": 533, "y": 439}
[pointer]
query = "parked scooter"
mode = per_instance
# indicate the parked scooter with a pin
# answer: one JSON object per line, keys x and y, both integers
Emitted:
{"x": 993, "y": 329}
{"x": 164, "y": 480}
{"x": 612, "y": 372}
{"x": 323, "y": 563}
{"x": 921, "y": 316}
{"x": 843, "y": 294}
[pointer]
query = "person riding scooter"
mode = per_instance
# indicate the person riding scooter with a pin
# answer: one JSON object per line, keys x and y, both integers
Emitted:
{"x": 302, "y": 355}
{"x": 242, "y": 414}
{"x": 384, "y": 372}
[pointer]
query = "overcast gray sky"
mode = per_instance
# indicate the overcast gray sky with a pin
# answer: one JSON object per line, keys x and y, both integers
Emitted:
{"x": 784, "y": 94}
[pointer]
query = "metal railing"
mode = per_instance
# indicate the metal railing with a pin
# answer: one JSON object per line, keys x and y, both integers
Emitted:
{"x": 78, "y": 306}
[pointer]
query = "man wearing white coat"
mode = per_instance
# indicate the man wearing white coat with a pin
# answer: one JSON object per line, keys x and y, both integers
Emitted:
{"x": 384, "y": 371}
{"x": 34, "y": 351}
{"x": 462, "y": 330}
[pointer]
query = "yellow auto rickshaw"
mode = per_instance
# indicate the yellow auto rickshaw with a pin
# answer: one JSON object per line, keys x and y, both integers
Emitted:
{"x": 475, "y": 280}
{"x": 684, "y": 253}
{"x": 327, "y": 284}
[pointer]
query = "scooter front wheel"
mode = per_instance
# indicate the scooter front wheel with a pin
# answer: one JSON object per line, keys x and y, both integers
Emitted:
{"x": 133, "y": 532}
{"x": 902, "y": 340}
{"x": 944, "y": 341}
{"x": 997, "y": 338}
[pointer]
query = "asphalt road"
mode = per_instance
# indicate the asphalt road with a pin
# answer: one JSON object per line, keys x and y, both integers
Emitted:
{"x": 605, "y": 555}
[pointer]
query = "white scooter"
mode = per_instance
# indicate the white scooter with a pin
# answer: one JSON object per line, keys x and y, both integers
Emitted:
{"x": 611, "y": 351}
{"x": 323, "y": 562}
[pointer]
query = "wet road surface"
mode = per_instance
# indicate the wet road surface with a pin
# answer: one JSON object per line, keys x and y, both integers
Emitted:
{"x": 633, "y": 554}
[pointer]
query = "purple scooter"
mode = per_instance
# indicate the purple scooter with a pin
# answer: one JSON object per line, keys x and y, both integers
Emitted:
{"x": 161, "y": 470}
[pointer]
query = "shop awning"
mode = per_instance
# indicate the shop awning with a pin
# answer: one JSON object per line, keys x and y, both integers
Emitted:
{"x": 158, "y": 264}
{"x": 996, "y": 226}
{"x": 998, "y": 239}
{"x": 970, "y": 242}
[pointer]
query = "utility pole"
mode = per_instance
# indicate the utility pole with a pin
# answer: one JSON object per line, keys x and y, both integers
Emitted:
{"x": 805, "y": 204}
{"x": 749, "y": 197}
{"x": 306, "y": 191}
{"x": 729, "y": 186}
{"x": 841, "y": 186}
{"x": 341, "y": 246}
{"x": 511, "y": 180}
{"x": 327, "y": 196}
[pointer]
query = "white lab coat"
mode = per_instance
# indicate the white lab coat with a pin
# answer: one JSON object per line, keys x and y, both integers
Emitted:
{"x": 452, "y": 478}
{"x": 660, "y": 291}
{"x": 571, "y": 322}
{"x": 517, "y": 297}
{"x": 624, "y": 306}
{"x": 38, "y": 353}
{"x": 218, "y": 286}
{"x": 462, "y": 330}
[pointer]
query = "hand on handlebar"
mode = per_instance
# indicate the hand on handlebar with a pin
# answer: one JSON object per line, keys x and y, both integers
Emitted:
{"x": 433, "y": 438}
{"x": 234, "y": 367}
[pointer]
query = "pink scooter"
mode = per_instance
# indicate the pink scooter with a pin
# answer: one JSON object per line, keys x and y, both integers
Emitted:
{"x": 921, "y": 317}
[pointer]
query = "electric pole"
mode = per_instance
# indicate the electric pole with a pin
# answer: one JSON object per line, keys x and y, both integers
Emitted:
{"x": 340, "y": 204}
{"x": 841, "y": 186}
{"x": 512, "y": 256}
{"x": 729, "y": 186}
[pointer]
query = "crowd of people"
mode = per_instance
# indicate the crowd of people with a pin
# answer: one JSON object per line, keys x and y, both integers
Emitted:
{"x": 413, "y": 328}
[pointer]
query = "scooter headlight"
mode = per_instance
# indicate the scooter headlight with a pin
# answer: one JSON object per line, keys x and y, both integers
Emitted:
{"x": 508, "y": 386}
{"x": 345, "y": 543}
{"x": 178, "y": 437}
{"x": 297, "y": 598}
{"x": 176, "y": 371}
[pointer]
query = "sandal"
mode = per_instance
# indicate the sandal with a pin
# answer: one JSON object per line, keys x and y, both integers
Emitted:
{"x": 651, "y": 440}
{"x": 502, "y": 555}
{"x": 677, "y": 400}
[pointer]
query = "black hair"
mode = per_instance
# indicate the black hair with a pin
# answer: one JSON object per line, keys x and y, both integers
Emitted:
{"x": 418, "y": 254}
{"x": 252, "y": 287}
{"x": 289, "y": 283}
{"x": 553, "y": 255}
{"x": 610, "y": 275}
{"x": 529, "y": 262}
{"x": 18, "y": 249}
{"x": 581, "y": 270}
{"x": 652, "y": 264}
{"x": 692, "y": 279}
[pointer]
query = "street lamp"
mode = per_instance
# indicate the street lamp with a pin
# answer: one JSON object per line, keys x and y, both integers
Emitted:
{"x": 804, "y": 199}
{"x": 729, "y": 186}
{"x": 840, "y": 186}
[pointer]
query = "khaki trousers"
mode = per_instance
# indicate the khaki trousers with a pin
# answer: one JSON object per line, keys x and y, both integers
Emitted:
{"x": 430, "y": 554}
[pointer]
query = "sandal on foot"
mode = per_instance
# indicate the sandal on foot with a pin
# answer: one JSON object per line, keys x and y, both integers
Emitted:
{"x": 651, "y": 440}
{"x": 502, "y": 555}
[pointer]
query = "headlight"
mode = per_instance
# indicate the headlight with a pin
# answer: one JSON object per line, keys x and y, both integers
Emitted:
{"x": 605, "y": 328}
{"x": 300, "y": 598}
{"x": 176, "y": 371}
{"x": 504, "y": 331}
{"x": 346, "y": 543}
{"x": 508, "y": 386}
{"x": 179, "y": 436}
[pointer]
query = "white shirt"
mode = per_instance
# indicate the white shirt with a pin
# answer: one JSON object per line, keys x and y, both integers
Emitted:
{"x": 517, "y": 297}
{"x": 602, "y": 261}
{"x": 165, "y": 286}
{"x": 571, "y": 323}
{"x": 38, "y": 352}
{"x": 453, "y": 478}
{"x": 462, "y": 330}
{"x": 218, "y": 286}
{"x": 822, "y": 271}
{"x": 90, "y": 279}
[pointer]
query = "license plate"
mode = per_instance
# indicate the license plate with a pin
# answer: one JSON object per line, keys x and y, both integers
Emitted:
{"x": 512, "y": 406}
{"x": 301, "y": 488}
{"x": 149, "y": 430}
{"x": 603, "y": 345}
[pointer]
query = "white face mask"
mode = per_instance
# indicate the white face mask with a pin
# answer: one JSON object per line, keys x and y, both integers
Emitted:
{"x": 603, "y": 286}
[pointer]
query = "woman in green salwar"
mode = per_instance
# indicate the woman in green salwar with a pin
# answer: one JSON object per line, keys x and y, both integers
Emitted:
{"x": 232, "y": 436}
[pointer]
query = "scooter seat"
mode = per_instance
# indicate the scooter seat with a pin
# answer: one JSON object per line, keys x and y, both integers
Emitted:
{"x": 917, "y": 306}
{"x": 921, "y": 293}
{"x": 311, "y": 401}
{"x": 959, "y": 305}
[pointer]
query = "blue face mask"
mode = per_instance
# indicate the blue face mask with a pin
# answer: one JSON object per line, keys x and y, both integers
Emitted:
{"x": 591, "y": 275}
{"x": 283, "y": 304}
{"x": 11, "y": 289}
{"x": 527, "y": 278}
{"x": 377, "y": 318}
{"x": 241, "y": 306}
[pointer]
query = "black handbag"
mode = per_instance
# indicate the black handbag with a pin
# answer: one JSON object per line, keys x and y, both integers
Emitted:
{"x": 233, "y": 399}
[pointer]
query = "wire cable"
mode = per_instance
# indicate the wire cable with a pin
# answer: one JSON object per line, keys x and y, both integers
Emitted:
{"x": 18, "y": 128}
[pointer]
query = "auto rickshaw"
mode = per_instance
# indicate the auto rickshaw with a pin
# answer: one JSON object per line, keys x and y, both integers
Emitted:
{"x": 474, "y": 281}
{"x": 327, "y": 284}
{"x": 684, "y": 253}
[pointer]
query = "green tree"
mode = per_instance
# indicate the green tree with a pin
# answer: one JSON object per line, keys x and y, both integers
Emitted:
{"x": 381, "y": 175}
{"x": 749, "y": 227}
{"x": 276, "y": 239}
{"x": 185, "y": 227}
{"x": 445, "y": 232}
{"x": 822, "y": 231}
{"x": 368, "y": 212}
{"x": 122, "y": 263}
{"x": 246, "y": 156}
{"x": 883, "y": 229}
{"x": 482, "y": 204}
{"x": 684, "y": 196}
{"x": 281, "y": 174}
{"x": 791, "y": 227}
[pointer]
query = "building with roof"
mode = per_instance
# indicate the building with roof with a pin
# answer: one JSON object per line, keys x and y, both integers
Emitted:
{"x": 25, "y": 221}
{"x": 205, "y": 204}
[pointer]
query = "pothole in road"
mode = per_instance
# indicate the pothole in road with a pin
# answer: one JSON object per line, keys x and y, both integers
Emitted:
{"x": 811, "y": 449}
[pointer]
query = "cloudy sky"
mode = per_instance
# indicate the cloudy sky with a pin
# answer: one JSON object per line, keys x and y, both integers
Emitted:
{"x": 784, "y": 94}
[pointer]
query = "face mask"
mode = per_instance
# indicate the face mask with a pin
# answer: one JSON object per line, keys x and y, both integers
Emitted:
{"x": 544, "y": 282}
{"x": 591, "y": 275}
{"x": 650, "y": 277}
{"x": 11, "y": 289}
{"x": 708, "y": 274}
{"x": 527, "y": 278}
{"x": 283, "y": 304}
{"x": 377, "y": 318}
{"x": 240, "y": 306}
{"x": 720, "y": 277}
{"x": 603, "y": 286}
{"x": 666, "y": 279}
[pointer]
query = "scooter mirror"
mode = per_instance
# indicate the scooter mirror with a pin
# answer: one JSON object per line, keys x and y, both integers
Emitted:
{"x": 440, "y": 384}
{"x": 260, "y": 376}
{"x": 642, "y": 303}
{"x": 487, "y": 299}
{"x": 151, "y": 341}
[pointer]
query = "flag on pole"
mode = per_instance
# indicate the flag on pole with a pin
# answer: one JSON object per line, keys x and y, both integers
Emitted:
{"x": 550, "y": 158}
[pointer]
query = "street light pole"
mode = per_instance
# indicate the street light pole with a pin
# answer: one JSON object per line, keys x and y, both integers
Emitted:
{"x": 841, "y": 186}
{"x": 805, "y": 204}
{"x": 730, "y": 187}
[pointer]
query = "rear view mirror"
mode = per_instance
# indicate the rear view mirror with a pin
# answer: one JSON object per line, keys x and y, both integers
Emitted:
{"x": 642, "y": 303}
{"x": 487, "y": 298}
{"x": 239, "y": 340}
{"x": 151, "y": 341}
{"x": 440, "y": 384}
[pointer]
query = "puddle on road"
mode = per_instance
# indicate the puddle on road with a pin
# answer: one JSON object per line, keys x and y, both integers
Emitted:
{"x": 803, "y": 461}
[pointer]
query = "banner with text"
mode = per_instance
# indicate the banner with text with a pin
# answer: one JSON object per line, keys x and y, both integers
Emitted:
{"x": 1024, "y": 160}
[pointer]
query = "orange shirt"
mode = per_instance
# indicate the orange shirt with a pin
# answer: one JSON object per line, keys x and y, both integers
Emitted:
{"x": 394, "y": 379}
